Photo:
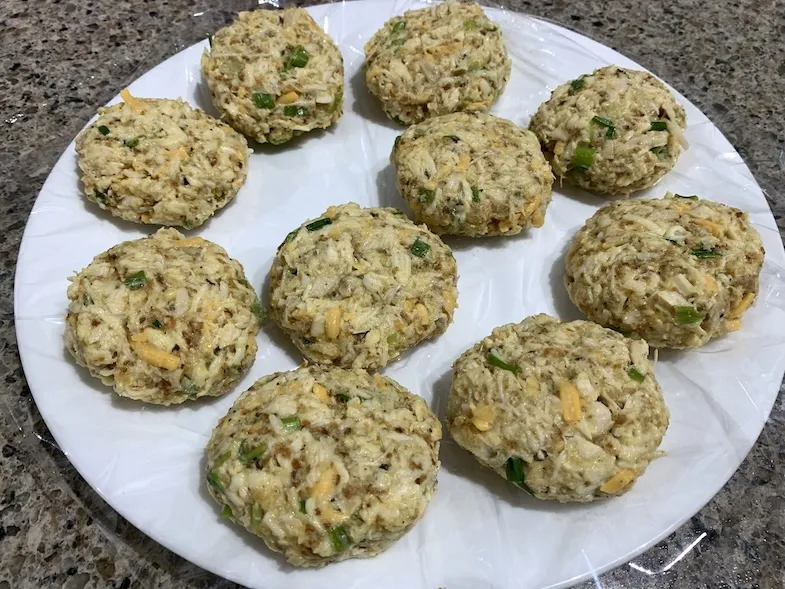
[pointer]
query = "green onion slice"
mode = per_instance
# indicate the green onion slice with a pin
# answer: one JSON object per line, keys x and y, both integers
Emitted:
{"x": 475, "y": 194}
{"x": 100, "y": 197}
{"x": 659, "y": 125}
{"x": 157, "y": 324}
{"x": 687, "y": 315}
{"x": 226, "y": 511}
{"x": 210, "y": 40}
{"x": 256, "y": 515}
{"x": 302, "y": 506}
{"x": 337, "y": 101}
{"x": 608, "y": 124}
{"x": 494, "y": 359}
{"x": 248, "y": 455}
{"x": 392, "y": 339}
{"x": 515, "y": 473}
{"x": 577, "y": 84}
{"x": 635, "y": 374}
{"x": 689, "y": 197}
{"x": 262, "y": 100}
{"x": 427, "y": 196}
{"x": 318, "y": 224}
{"x": 298, "y": 58}
{"x": 397, "y": 141}
{"x": 342, "y": 398}
{"x": 291, "y": 424}
{"x": 131, "y": 143}
{"x": 136, "y": 280}
{"x": 583, "y": 158}
{"x": 399, "y": 26}
{"x": 661, "y": 151}
{"x": 103, "y": 130}
{"x": 293, "y": 110}
{"x": 215, "y": 482}
{"x": 704, "y": 253}
{"x": 339, "y": 538}
{"x": 260, "y": 311}
{"x": 419, "y": 248}
{"x": 470, "y": 25}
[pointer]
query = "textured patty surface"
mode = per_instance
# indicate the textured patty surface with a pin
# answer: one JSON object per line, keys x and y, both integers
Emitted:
{"x": 357, "y": 287}
{"x": 163, "y": 319}
{"x": 676, "y": 271}
{"x": 275, "y": 74}
{"x": 325, "y": 464}
{"x": 160, "y": 161}
{"x": 445, "y": 58}
{"x": 614, "y": 131}
{"x": 567, "y": 411}
{"x": 473, "y": 174}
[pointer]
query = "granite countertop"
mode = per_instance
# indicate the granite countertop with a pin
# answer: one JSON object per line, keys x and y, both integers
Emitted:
{"x": 63, "y": 58}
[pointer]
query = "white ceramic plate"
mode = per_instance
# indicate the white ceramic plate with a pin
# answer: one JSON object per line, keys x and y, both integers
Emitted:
{"x": 147, "y": 462}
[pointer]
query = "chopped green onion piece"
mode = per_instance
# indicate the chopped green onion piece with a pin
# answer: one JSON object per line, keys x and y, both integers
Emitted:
{"x": 298, "y": 58}
{"x": 607, "y": 124}
{"x": 131, "y": 143}
{"x": 427, "y": 196}
{"x": 248, "y": 455}
{"x": 470, "y": 25}
{"x": 222, "y": 458}
{"x": 157, "y": 324}
{"x": 256, "y": 515}
{"x": 302, "y": 506}
{"x": 337, "y": 101}
{"x": 515, "y": 473}
{"x": 293, "y": 110}
{"x": 690, "y": 197}
{"x": 103, "y": 130}
{"x": 659, "y": 125}
{"x": 398, "y": 120}
{"x": 399, "y": 26}
{"x": 635, "y": 374}
{"x": 136, "y": 280}
{"x": 392, "y": 339}
{"x": 702, "y": 253}
{"x": 291, "y": 424}
{"x": 260, "y": 311}
{"x": 419, "y": 248}
{"x": 262, "y": 100}
{"x": 577, "y": 84}
{"x": 339, "y": 538}
{"x": 583, "y": 158}
{"x": 100, "y": 197}
{"x": 397, "y": 141}
{"x": 660, "y": 151}
{"x": 215, "y": 482}
{"x": 343, "y": 398}
{"x": 494, "y": 360}
{"x": 210, "y": 40}
{"x": 188, "y": 386}
{"x": 226, "y": 511}
{"x": 475, "y": 194}
{"x": 687, "y": 315}
{"x": 318, "y": 224}
{"x": 291, "y": 235}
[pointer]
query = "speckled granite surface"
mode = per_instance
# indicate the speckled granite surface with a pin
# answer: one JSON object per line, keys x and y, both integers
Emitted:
{"x": 62, "y": 58}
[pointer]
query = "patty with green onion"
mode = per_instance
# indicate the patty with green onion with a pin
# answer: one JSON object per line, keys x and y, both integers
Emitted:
{"x": 275, "y": 74}
{"x": 676, "y": 271}
{"x": 614, "y": 131}
{"x": 325, "y": 464}
{"x": 569, "y": 411}
{"x": 163, "y": 319}
{"x": 446, "y": 58}
{"x": 473, "y": 174}
{"x": 358, "y": 287}
{"x": 161, "y": 162}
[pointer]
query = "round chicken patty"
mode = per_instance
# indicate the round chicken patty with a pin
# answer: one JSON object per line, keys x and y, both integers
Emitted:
{"x": 473, "y": 175}
{"x": 676, "y": 271}
{"x": 160, "y": 161}
{"x": 325, "y": 464}
{"x": 275, "y": 74}
{"x": 567, "y": 411}
{"x": 358, "y": 287}
{"x": 445, "y": 58}
{"x": 614, "y": 131}
{"x": 163, "y": 319}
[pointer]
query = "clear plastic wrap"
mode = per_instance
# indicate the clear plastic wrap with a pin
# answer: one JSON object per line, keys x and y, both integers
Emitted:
{"x": 478, "y": 532}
